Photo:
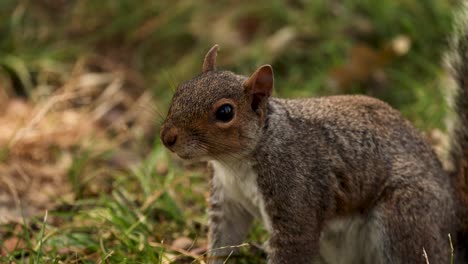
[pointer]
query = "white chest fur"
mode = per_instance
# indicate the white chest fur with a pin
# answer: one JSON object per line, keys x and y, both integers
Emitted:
{"x": 239, "y": 181}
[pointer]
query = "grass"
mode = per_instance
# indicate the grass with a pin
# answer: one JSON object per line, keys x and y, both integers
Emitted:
{"x": 133, "y": 214}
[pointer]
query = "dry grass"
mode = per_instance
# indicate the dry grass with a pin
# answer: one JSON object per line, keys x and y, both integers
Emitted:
{"x": 92, "y": 112}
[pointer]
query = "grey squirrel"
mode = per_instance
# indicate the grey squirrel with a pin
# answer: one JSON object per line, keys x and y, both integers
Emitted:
{"x": 338, "y": 179}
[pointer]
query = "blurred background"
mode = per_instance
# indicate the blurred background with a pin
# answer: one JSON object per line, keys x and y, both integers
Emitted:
{"x": 84, "y": 86}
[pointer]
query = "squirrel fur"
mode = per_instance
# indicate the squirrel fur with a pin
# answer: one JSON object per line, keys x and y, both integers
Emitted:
{"x": 338, "y": 179}
{"x": 457, "y": 66}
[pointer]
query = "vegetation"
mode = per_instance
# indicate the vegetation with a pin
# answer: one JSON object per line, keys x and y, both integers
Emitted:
{"x": 84, "y": 86}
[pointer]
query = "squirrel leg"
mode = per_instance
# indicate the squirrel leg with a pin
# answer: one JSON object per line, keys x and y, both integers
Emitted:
{"x": 293, "y": 251}
{"x": 289, "y": 245}
{"x": 415, "y": 229}
{"x": 229, "y": 224}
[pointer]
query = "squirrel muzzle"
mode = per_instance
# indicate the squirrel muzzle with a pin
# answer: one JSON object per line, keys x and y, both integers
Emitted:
{"x": 169, "y": 136}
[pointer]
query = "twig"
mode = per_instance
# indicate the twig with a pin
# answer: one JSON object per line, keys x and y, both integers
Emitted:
{"x": 425, "y": 256}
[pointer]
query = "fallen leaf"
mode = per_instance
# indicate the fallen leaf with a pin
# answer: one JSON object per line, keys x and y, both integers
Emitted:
{"x": 11, "y": 244}
{"x": 183, "y": 243}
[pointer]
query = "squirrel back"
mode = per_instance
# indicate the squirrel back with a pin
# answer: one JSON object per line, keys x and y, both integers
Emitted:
{"x": 457, "y": 64}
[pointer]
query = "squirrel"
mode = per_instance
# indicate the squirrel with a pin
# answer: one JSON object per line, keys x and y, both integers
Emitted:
{"x": 337, "y": 179}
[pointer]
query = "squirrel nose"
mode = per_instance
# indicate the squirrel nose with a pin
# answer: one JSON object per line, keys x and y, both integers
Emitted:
{"x": 169, "y": 136}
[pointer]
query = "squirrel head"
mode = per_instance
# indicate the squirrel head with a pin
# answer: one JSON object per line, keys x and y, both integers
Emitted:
{"x": 218, "y": 114}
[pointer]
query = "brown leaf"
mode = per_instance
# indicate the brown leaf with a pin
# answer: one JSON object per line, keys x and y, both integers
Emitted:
{"x": 183, "y": 243}
{"x": 366, "y": 63}
{"x": 12, "y": 244}
{"x": 362, "y": 62}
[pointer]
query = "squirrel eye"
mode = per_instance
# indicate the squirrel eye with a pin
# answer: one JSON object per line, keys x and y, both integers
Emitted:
{"x": 225, "y": 113}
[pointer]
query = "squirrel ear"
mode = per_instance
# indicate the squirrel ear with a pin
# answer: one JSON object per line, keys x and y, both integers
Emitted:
{"x": 261, "y": 81}
{"x": 260, "y": 85}
{"x": 209, "y": 64}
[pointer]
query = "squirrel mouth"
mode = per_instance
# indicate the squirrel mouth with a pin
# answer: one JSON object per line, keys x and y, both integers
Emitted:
{"x": 192, "y": 158}
{"x": 184, "y": 156}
